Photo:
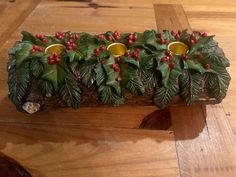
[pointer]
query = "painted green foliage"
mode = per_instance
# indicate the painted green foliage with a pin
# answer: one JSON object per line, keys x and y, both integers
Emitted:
{"x": 146, "y": 66}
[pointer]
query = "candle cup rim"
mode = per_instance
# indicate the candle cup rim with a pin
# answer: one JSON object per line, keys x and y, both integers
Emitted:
{"x": 117, "y": 43}
{"x": 53, "y": 45}
{"x": 178, "y": 42}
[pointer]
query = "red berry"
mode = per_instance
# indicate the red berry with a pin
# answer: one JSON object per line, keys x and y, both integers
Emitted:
{"x": 69, "y": 47}
{"x": 185, "y": 57}
{"x": 117, "y": 69}
{"x": 192, "y": 41}
{"x": 96, "y": 50}
{"x": 73, "y": 45}
{"x": 168, "y": 53}
{"x": 57, "y": 60}
{"x": 171, "y": 65}
{"x": 193, "y": 36}
{"x": 163, "y": 41}
{"x": 204, "y": 34}
{"x": 117, "y": 59}
{"x": 50, "y": 58}
{"x": 173, "y": 33}
{"x": 127, "y": 53}
{"x": 37, "y": 36}
{"x": 131, "y": 37}
{"x": 179, "y": 32}
{"x": 101, "y": 36}
{"x": 163, "y": 59}
{"x": 109, "y": 38}
{"x": 102, "y": 48}
{"x": 63, "y": 34}
{"x": 135, "y": 55}
{"x": 116, "y": 33}
{"x": 207, "y": 66}
{"x": 97, "y": 54}
{"x": 103, "y": 61}
{"x": 113, "y": 65}
{"x": 130, "y": 42}
{"x": 135, "y": 37}
{"x": 117, "y": 37}
{"x": 119, "y": 79}
{"x": 76, "y": 36}
{"x": 44, "y": 40}
{"x": 160, "y": 35}
{"x": 70, "y": 36}
{"x": 51, "y": 62}
{"x": 177, "y": 36}
{"x": 33, "y": 51}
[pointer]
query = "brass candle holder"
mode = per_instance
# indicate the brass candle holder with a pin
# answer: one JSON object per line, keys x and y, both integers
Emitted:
{"x": 178, "y": 48}
{"x": 117, "y": 49}
{"x": 55, "y": 48}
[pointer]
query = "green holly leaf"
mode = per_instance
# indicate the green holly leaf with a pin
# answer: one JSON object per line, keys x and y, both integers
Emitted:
{"x": 195, "y": 65}
{"x": 112, "y": 75}
{"x": 28, "y": 37}
{"x": 164, "y": 94}
{"x": 217, "y": 84}
{"x": 150, "y": 41}
{"x": 87, "y": 74}
{"x": 70, "y": 92}
{"x": 190, "y": 86}
{"x": 46, "y": 87}
{"x": 99, "y": 74}
{"x": 74, "y": 56}
{"x": 22, "y": 52}
{"x": 55, "y": 74}
{"x": 18, "y": 82}
{"x": 134, "y": 84}
{"x": 215, "y": 56}
{"x": 130, "y": 61}
{"x": 36, "y": 67}
{"x": 200, "y": 44}
{"x": 109, "y": 96}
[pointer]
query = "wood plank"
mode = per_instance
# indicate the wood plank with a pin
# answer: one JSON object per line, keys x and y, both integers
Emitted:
{"x": 204, "y": 143}
{"x": 71, "y": 151}
{"x": 9, "y": 21}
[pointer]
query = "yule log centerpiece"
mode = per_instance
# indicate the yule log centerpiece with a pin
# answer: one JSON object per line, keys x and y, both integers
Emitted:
{"x": 70, "y": 69}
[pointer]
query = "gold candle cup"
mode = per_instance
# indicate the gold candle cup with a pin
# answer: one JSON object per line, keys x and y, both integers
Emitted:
{"x": 55, "y": 48}
{"x": 117, "y": 49}
{"x": 178, "y": 48}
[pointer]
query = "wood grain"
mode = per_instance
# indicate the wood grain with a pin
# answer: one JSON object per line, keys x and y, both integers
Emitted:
{"x": 83, "y": 143}
{"x": 72, "y": 151}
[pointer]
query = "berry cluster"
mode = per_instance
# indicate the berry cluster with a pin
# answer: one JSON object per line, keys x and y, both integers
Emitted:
{"x": 204, "y": 34}
{"x": 98, "y": 50}
{"x": 115, "y": 67}
{"x": 136, "y": 54}
{"x": 54, "y": 58}
{"x": 101, "y": 37}
{"x": 176, "y": 34}
{"x": 116, "y": 35}
{"x": 127, "y": 53}
{"x": 36, "y": 48}
{"x": 60, "y": 35}
{"x": 41, "y": 37}
{"x": 132, "y": 38}
{"x": 193, "y": 39}
{"x": 162, "y": 41}
{"x": 167, "y": 57}
{"x": 185, "y": 57}
{"x": 70, "y": 44}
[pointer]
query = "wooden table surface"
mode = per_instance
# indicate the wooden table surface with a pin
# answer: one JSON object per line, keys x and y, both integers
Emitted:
{"x": 106, "y": 142}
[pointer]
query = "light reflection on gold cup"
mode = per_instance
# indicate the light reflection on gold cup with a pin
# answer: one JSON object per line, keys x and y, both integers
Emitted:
{"x": 178, "y": 48}
{"x": 117, "y": 49}
{"x": 55, "y": 48}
